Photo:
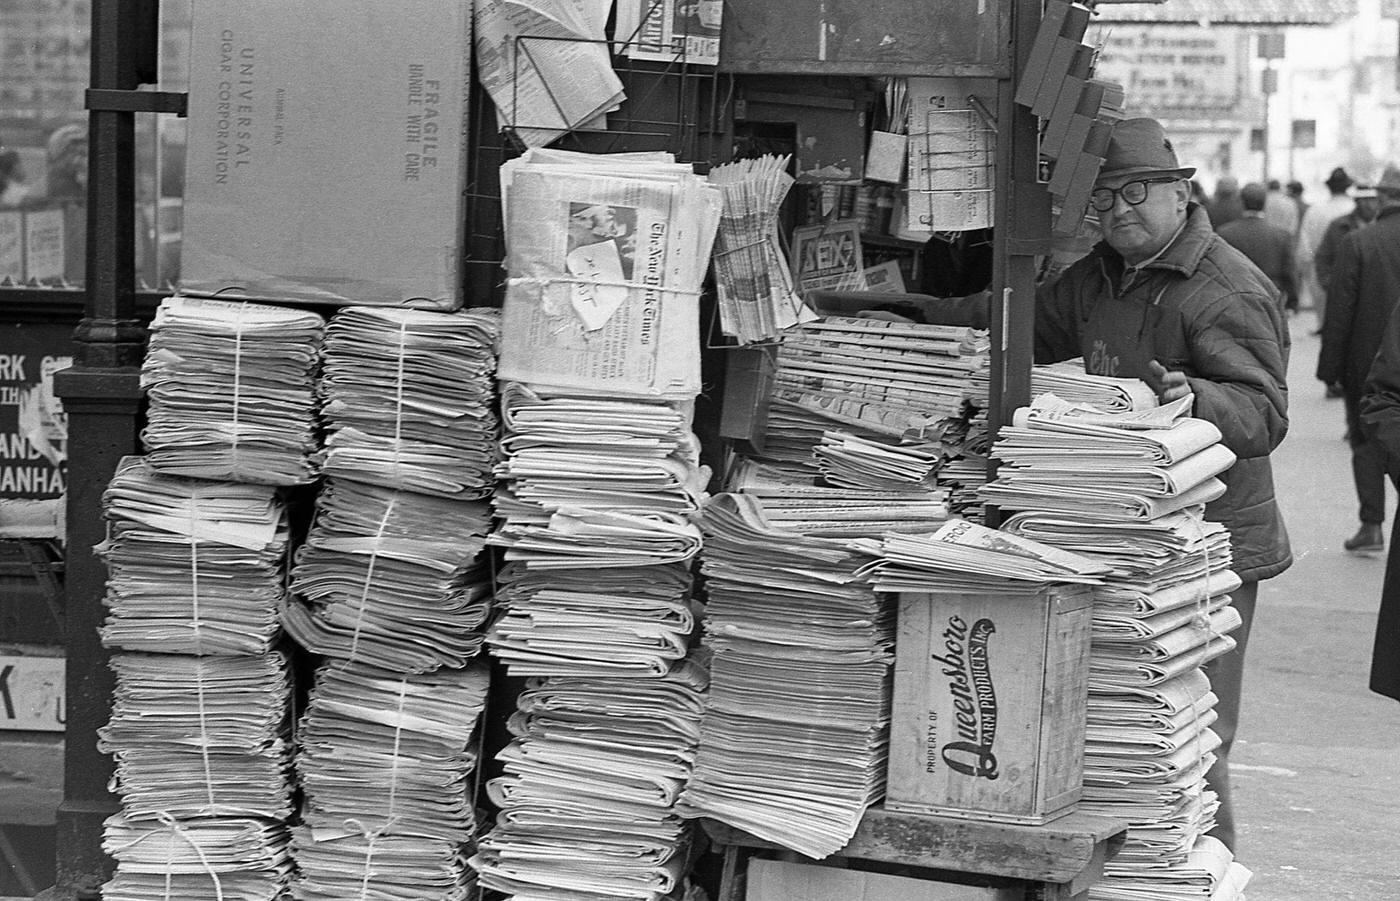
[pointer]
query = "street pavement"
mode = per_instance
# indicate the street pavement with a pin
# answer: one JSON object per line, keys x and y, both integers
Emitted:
{"x": 1316, "y": 764}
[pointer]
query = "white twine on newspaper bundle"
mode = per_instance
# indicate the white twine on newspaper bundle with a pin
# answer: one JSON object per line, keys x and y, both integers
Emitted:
{"x": 369, "y": 577}
{"x": 544, "y": 280}
{"x": 167, "y": 819}
{"x": 371, "y": 837}
{"x": 237, "y": 383}
{"x": 194, "y": 579}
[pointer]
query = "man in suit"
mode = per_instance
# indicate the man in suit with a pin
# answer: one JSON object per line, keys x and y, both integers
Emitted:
{"x": 1363, "y": 290}
{"x": 1267, "y": 246}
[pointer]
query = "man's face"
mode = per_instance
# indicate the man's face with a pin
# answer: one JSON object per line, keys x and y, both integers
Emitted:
{"x": 1367, "y": 207}
{"x": 1137, "y": 231}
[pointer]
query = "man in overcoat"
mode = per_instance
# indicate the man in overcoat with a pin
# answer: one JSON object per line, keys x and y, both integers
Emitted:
{"x": 1362, "y": 292}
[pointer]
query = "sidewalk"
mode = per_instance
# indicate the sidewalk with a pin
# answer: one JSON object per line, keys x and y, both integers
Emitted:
{"x": 1316, "y": 766}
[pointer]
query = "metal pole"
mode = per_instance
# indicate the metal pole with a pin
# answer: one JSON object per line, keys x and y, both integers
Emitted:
{"x": 100, "y": 394}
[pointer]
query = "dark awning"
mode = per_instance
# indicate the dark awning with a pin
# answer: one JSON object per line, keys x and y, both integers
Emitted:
{"x": 1226, "y": 12}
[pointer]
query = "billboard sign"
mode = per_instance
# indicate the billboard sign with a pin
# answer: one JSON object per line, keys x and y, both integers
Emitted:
{"x": 1173, "y": 71}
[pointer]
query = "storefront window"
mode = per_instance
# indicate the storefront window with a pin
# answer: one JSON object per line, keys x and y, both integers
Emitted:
{"x": 44, "y": 55}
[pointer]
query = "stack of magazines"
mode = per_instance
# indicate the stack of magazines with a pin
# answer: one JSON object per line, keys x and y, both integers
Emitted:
{"x": 587, "y": 799}
{"x": 1161, "y": 613}
{"x": 795, "y": 736}
{"x": 230, "y": 391}
{"x": 407, "y": 396}
{"x": 385, "y": 763}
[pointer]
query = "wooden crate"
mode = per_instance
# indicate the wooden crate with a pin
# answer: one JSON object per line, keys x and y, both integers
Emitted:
{"x": 990, "y": 695}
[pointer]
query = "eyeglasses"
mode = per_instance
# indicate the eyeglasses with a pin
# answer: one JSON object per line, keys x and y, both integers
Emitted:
{"x": 1134, "y": 192}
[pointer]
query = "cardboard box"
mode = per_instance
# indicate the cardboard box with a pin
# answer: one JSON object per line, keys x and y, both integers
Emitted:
{"x": 775, "y": 880}
{"x": 326, "y": 157}
{"x": 990, "y": 694}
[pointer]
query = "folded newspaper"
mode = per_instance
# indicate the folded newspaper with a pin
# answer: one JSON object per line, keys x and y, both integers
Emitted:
{"x": 605, "y": 274}
{"x": 965, "y": 556}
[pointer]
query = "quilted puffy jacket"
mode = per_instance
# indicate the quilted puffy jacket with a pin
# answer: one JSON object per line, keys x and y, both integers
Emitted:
{"x": 1203, "y": 308}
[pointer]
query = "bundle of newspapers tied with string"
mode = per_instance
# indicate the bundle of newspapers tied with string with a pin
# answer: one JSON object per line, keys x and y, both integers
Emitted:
{"x": 756, "y": 295}
{"x": 230, "y": 391}
{"x": 600, "y": 475}
{"x": 392, "y": 587}
{"x": 392, "y": 572}
{"x": 1128, "y": 489}
{"x": 385, "y": 762}
{"x": 407, "y": 399}
{"x": 196, "y": 557}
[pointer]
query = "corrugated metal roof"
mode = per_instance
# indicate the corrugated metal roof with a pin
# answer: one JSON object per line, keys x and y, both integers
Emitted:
{"x": 1228, "y": 12}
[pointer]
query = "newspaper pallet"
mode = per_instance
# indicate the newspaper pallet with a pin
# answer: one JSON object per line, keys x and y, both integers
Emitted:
{"x": 990, "y": 694}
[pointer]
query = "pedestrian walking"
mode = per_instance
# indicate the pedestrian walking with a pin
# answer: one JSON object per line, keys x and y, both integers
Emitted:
{"x": 1267, "y": 246}
{"x": 1310, "y": 232}
{"x": 1362, "y": 292}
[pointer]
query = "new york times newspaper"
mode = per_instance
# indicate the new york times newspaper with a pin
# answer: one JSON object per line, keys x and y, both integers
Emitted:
{"x": 605, "y": 279}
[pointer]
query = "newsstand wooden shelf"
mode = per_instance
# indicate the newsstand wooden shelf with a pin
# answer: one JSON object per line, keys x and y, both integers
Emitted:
{"x": 1063, "y": 857}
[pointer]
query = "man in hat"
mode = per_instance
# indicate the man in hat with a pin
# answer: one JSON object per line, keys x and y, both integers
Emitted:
{"x": 1267, "y": 246}
{"x": 1314, "y": 225}
{"x": 1361, "y": 293}
{"x": 1165, "y": 299}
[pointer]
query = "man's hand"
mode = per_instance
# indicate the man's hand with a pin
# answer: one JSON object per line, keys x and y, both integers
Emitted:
{"x": 1169, "y": 384}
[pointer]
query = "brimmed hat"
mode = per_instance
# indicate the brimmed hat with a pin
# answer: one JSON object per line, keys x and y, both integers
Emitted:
{"x": 1390, "y": 180}
{"x": 1339, "y": 181}
{"x": 1359, "y": 191}
{"x": 1140, "y": 147}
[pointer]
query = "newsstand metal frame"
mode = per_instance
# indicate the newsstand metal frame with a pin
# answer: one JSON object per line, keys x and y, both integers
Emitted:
{"x": 101, "y": 392}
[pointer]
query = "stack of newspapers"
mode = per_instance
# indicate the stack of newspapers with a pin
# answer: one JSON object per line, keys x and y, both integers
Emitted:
{"x": 1128, "y": 490}
{"x": 193, "y": 567}
{"x": 756, "y": 295}
{"x": 196, "y": 556}
{"x": 230, "y": 391}
{"x": 587, "y": 799}
{"x": 202, "y": 759}
{"x": 966, "y": 557}
{"x": 599, "y": 478}
{"x": 870, "y": 402}
{"x": 795, "y": 736}
{"x": 407, "y": 399}
{"x": 392, "y": 587}
{"x": 385, "y": 762}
